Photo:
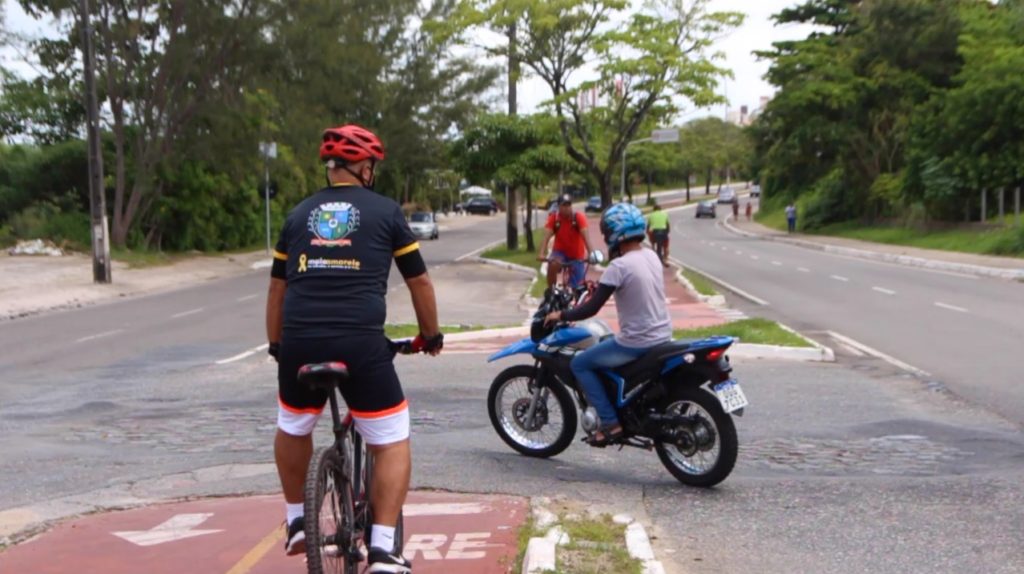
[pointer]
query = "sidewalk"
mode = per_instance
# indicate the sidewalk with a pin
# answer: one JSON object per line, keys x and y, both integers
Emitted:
{"x": 1006, "y": 267}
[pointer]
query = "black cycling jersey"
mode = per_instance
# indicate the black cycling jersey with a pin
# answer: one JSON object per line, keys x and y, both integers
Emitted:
{"x": 337, "y": 247}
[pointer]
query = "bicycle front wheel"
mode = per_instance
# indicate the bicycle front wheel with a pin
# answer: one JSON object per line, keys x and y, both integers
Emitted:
{"x": 329, "y": 515}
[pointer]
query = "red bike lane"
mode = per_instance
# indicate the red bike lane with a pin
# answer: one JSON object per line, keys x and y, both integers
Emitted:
{"x": 445, "y": 533}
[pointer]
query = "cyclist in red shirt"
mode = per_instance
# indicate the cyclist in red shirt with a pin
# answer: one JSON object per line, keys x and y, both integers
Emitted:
{"x": 572, "y": 243}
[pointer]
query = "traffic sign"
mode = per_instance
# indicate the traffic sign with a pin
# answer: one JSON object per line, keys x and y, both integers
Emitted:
{"x": 665, "y": 136}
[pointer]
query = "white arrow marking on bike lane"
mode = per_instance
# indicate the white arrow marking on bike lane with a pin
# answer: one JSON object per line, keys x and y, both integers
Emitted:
{"x": 178, "y": 527}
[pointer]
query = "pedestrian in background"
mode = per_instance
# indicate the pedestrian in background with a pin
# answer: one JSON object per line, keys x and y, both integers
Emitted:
{"x": 749, "y": 209}
{"x": 791, "y": 217}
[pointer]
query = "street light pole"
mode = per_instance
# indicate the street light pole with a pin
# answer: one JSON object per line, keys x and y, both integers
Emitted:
{"x": 625, "y": 150}
{"x": 97, "y": 201}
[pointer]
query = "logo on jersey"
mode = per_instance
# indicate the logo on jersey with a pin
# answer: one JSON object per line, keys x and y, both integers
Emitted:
{"x": 331, "y": 223}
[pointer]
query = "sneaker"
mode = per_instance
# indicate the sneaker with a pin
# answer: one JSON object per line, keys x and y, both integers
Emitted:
{"x": 386, "y": 562}
{"x": 295, "y": 543}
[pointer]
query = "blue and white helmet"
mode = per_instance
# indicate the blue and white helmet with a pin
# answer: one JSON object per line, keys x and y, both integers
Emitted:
{"x": 621, "y": 222}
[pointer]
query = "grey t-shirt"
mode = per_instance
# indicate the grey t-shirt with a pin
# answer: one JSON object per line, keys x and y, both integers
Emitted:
{"x": 639, "y": 286}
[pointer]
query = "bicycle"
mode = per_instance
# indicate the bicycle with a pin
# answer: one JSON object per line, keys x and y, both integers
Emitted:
{"x": 659, "y": 240}
{"x": 564, "y": 282}
{"x": 343, "y": 473}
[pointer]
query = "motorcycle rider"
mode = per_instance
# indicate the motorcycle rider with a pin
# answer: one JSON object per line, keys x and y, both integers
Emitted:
{"x": 636, "y": 278}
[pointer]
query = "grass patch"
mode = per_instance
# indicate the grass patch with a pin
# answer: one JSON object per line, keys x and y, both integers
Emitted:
{"x": 1007, "y": 240}
{"x": 406, "y": 330}
{"x": 137, "y": 259}
{"x": 596, "y": 546}
{"x": 526, "y": 532}
{"x": 701, "y": 283}
{"x": 519, "y": 256}
{"x": 758, "y": 331}
{"x": 537, "y": 290}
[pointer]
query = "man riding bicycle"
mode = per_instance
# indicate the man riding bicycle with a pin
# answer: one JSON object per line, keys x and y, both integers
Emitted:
{"x": 572, "y": 244}
{"x": 327, "y": 303}
{"x": 658, "y": 231}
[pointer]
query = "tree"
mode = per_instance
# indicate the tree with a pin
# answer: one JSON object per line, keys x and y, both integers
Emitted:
{"x": 159, "y": 64}
{"x": 523, "y": 151}
{"x": 644, "y": 60}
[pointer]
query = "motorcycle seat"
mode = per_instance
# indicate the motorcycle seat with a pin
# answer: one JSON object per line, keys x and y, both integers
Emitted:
{"x": 652, "y": 360}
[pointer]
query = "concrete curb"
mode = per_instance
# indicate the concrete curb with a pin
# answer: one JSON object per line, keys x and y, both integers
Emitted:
{"x": 819, "y": 354}
{"x": 906, "y": 260}
{"x": 487, "y": 334}
{"x": 638, "y": 544}
{"x": 503, "y": 264}
{"x": 541, "y": 552}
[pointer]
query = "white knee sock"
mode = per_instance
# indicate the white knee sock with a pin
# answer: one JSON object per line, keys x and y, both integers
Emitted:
{"x": 383, "y": 537}
{"x": 293, "y": 511}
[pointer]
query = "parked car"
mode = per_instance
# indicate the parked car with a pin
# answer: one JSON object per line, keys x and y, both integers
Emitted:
{"x": 482, "y": 205}
{"x": 424, "y": 225}
{"x": 727, "y": 195}
{"x": 755, "y": 190}
{"x": 705, "y": 209}
{"x": 593, "y": 204}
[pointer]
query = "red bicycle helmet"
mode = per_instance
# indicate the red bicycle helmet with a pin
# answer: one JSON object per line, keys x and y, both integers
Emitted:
{"x": 350, "y": 144}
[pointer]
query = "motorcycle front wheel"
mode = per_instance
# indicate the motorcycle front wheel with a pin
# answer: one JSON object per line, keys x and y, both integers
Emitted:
{"x": 535, "y": 420}
{"x": 703, "y": 451}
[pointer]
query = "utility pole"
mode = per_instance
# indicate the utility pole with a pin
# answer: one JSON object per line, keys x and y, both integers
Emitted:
{"x": 511, "y": 209}
{"x": 97, "y": 201}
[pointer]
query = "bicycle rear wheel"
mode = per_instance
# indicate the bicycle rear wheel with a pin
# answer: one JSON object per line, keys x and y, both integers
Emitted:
{"x": 330, "y": 516}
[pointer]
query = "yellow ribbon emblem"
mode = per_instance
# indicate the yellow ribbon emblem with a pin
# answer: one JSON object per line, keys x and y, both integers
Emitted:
{"x": 302, "y": 263}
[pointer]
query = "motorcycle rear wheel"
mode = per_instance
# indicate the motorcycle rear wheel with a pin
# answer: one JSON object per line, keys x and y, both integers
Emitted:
{"x": 508, "y": 401}
{"x": 711, "y": 460}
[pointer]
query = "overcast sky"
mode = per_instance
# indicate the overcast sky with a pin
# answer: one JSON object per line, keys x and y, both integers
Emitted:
{"x": 757, "y": 33}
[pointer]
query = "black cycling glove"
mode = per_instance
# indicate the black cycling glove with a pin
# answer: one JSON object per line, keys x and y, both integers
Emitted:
{"x": 274, "y": 349}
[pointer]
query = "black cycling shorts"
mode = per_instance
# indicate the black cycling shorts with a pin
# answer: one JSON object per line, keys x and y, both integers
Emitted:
{"x": 372, "y": 389}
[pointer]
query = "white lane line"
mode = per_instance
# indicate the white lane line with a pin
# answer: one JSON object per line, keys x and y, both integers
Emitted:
{"x": 732, "y": 288}
{"x": 244, "y": 354}
{"x": 99, "y": 335}
{"x": 754, "y": 257}
{"x": 803, "y": 269}
{"x": 247, "y": 297}
{"x": 852, "y": 350}
{"x": 876, "y": 353}
{"x": 777, "y": 263}
{"x": 479, "y": 250}
{"x": 187, "y": 313}
{"x": 883, "y": 290}
{"x": 951, "y": 307}
{"x": 840, "y": 278}
{"x": 711, "y": 243}
{"x": 263, "y": 264}
{"x": 442, "y": 509}
{"x": 739, "y": 253}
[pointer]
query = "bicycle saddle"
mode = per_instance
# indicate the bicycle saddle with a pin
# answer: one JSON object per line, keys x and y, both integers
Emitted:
{"x": 323, "y": 375}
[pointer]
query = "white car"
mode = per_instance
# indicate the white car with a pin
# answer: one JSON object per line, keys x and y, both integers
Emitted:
{"x": 755, "y": 190}
{"x": 423, "y": 225}
{"x": 727, "y": 195}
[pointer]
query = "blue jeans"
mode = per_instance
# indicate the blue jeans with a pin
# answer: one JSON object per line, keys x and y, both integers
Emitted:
{"x": 604, "y": 355}
{"x": 575, "y": 268}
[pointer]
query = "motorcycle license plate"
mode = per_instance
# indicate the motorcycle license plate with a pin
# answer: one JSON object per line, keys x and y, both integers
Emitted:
{"x": 730, "y": 395}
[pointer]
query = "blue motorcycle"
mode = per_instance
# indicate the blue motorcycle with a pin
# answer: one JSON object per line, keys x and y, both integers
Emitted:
{"x": 677, "y": 400}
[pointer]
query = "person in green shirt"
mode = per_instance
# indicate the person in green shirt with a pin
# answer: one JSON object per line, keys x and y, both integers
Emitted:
{"x": 658, "y": 231}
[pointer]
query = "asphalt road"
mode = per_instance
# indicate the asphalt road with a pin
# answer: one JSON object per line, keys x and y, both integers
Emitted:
{"x": 957, "y": 330}
{"x": 169, "y": 331}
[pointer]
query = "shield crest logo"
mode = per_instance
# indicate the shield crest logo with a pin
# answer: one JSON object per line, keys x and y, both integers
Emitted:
{"x": 332, "y": 223}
